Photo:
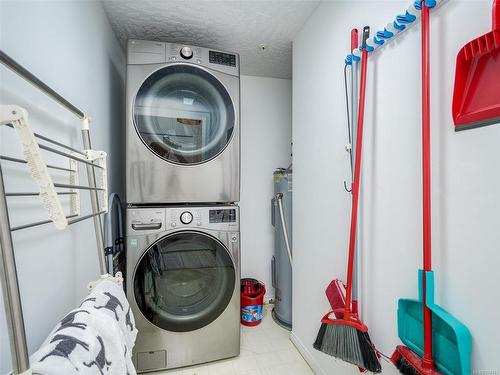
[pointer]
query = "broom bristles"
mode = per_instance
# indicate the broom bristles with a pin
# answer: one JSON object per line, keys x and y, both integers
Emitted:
{"x": 348, "y": 344}
{"x": 405, "y": 367}
{"x": 319, "y": 338}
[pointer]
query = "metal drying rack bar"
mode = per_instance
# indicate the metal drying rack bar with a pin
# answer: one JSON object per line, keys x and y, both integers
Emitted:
{"x": 8, "y": 272}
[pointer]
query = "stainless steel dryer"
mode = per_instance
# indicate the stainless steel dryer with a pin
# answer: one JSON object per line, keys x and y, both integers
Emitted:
{"x": 183, "y": 124}
{"x": 183, "y": 272}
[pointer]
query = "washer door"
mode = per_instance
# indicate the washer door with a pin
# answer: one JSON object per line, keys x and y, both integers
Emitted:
{"x": 184, "y": 281}
{"x": 184, "y": 114}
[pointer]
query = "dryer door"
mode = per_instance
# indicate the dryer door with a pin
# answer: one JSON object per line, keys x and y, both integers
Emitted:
{"x": 184, "y": 281}
{"x": 184, "y": 114}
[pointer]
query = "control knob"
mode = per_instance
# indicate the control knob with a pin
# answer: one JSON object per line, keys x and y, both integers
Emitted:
{"x": 186, "y": 52}
{"x": 186, "y": 217}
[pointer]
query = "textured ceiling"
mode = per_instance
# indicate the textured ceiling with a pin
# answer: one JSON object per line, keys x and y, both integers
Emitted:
{"x": 233, "y": 25}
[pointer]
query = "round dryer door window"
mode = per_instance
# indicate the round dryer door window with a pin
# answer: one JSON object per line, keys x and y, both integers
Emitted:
{"x": 184, "y": 281}
{"x": 184, "y": 114}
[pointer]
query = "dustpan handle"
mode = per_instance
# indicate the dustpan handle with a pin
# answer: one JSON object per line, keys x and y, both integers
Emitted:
{"x": 426, "y": 141}
{"x": 496, "y": 15}
{"x": 427, "y": 359}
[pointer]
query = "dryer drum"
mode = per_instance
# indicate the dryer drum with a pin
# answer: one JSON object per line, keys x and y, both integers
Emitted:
{"x": 183, "y": 114}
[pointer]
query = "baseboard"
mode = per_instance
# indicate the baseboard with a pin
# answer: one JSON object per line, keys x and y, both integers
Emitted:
{"x": 304, "y": 352}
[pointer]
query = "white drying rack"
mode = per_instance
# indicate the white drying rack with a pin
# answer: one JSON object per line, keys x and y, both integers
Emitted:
{"x": 49, "y": 193}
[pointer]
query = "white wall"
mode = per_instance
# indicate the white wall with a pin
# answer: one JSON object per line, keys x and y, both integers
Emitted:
{"x": 266, "y": 134}
{"x": 466, "y": 179}
{"x": 70, "y": 46}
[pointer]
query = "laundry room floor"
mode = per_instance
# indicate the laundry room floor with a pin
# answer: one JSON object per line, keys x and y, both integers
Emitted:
{"x": 265, "y": 350}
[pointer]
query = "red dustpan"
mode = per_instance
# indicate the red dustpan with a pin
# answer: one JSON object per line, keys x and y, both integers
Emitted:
{"x": 476, "y": 96}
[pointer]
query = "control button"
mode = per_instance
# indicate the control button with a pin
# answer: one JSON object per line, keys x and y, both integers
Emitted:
{"x": 198, "y": 61}
{"x": 198, "y": 223}
{"x": 234, "y": 238}
{"x": 186, "y": 217}
{"x": 173, "y": 225}
{"x": 173, "y": 58}
{"x": 186, "y": 52}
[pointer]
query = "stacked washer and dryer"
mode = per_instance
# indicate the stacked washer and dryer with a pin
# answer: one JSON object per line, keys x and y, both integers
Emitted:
{"x": 183, "y": 185}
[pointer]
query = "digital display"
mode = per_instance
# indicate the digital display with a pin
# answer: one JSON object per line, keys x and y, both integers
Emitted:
{"x": 222, "y": 58}
{"x": 222, "y": 216}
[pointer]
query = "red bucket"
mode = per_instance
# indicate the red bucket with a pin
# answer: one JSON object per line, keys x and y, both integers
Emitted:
{"x": 252, "y": 301}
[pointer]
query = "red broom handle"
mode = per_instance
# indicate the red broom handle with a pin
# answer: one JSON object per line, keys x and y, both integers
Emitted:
{"x": 354, "y": 45}
{"x": 427, "y": 360}
{"x": 357, "y": 172}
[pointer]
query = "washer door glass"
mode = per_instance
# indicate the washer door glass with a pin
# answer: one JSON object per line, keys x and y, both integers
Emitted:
{"x": 183, "y": 114}
{"x": 184, "y": 281}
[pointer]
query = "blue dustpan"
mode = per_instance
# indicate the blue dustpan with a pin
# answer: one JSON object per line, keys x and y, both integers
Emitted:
{"x": 452, "y": 341}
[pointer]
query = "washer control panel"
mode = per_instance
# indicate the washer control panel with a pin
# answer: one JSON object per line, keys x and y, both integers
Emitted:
{"x": 226, "y": 215}
{"x": 183, "y": 217}
{"x": 159, "y": 219}
{"x": 216, "y": 218}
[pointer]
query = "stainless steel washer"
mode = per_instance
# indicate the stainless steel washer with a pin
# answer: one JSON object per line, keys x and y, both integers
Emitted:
{"x": 183, "y": 272}
{"x": 183, "y": 124}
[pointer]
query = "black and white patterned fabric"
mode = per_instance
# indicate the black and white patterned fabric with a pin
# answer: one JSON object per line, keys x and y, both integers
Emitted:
{"x": 94, "y": 339}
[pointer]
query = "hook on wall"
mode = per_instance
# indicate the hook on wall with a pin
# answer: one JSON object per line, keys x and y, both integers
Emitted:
{"x": 349, "y": 190}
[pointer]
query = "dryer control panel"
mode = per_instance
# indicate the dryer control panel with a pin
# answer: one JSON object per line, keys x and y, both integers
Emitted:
{"x": 222, "y": 58}
{"x": 141, "y": 52}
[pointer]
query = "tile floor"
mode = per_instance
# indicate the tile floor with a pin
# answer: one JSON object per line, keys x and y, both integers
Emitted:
{"x": 265, "y": 350}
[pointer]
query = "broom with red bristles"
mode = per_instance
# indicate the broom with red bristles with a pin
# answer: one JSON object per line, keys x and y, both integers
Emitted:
{"x": 347, "y": 338}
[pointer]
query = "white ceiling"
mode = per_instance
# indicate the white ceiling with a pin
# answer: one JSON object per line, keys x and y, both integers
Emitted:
{"x": 233, "y": 25}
